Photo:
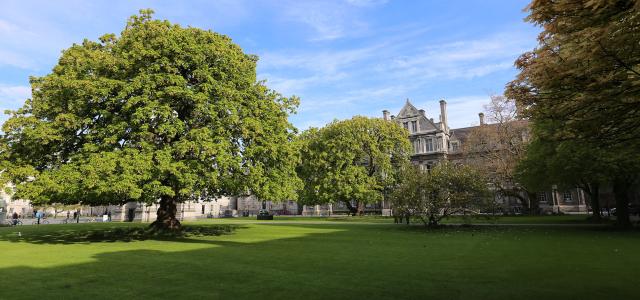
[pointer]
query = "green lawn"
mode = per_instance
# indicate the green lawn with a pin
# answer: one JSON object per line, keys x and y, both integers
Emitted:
{"x": 325, "y": 260}
{"x": 524, "y": 219}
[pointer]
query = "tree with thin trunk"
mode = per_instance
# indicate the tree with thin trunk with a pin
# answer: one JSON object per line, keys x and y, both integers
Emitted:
{"x": 351, "y": 161}
{"x": 497, "y": 146}
{"x": 159, "y": 114}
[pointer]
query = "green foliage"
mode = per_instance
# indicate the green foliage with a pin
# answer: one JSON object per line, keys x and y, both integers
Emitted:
{"x": 160, "y": 111}
{"x": 445, "y": 190}
{"x": 351, "y": 160}
{"x": 580, "y": 87}
{"x": 585, "y": 71}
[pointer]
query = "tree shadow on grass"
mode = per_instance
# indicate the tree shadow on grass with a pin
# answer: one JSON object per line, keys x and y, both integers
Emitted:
{"x": 67, "y": 236}
{"x": 344, "y": 262}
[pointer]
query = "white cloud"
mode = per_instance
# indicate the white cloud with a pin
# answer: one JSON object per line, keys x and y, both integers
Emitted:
{"x": 14, "y": 59}
{"x": 294, "y": 86}
{"x": 366, "y": 3}
{"x": 13, "y": 96}
{"x": 459, "y": 59}
{"x": 329, "y": 20}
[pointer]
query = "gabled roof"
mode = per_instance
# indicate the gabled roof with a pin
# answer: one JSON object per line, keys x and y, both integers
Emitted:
{"x": 408, "y": 110}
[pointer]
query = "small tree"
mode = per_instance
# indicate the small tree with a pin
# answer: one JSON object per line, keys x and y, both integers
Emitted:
{"x": 351, "y": 160}
{"x": 441, "y": 192}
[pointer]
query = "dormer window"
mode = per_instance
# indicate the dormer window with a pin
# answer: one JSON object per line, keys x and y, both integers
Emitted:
{"x": 405, "y": 125}
{"x": 454, "y": 146}
{"x": 414, "y": 126}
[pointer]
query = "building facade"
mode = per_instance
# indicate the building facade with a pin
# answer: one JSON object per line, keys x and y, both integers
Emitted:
{"x": 433, "y": 141}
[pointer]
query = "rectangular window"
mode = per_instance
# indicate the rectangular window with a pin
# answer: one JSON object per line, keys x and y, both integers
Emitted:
{"x": 417, "y": 146}
{"x": 542, "y": 197}
{"x": 429, "y": 145}
{"x": 406, "y": 125}
{"x": 566, "y": 196}
{"x": 414, "y": 126}
{"x": 439, "y": 144}
{"x": 454, "y": 146}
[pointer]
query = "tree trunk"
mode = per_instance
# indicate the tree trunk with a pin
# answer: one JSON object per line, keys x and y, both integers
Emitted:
{"x": 621, "y": 192}
{"x": 360, "y": 211}
{"x": 594, "y": 201}
{"x": 352, "y": 210}
{"x": 534, "y": 205}
{"x": 167, "y": 215}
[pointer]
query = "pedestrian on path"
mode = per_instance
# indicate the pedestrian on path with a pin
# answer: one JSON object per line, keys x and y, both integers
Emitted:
{"x": 14, "y": 218}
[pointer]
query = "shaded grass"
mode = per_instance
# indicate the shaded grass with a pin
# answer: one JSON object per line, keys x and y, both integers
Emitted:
{"x": 108, "y": 232}
{"x": 329, "y": 260}
{"x": 478, "y": 219}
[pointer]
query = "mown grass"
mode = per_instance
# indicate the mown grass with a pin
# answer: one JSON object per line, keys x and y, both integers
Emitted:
{"x": 324, "y": 260}
{"x": 478, "y": 219}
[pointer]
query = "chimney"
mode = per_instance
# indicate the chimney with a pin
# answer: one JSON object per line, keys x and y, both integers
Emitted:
{"x": 481, "y": 115}
{"x": 422, "y": 112}
{"x": 443, "y": 113}
{"x": 385, "y": 115}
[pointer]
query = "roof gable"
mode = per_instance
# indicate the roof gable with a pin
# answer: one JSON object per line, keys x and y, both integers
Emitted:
{"x": 408, "y": 110}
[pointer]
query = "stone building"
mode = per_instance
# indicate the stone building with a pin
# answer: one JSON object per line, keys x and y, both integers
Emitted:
{"x": 434, "y": 141}
{"x": 140, "y": 212}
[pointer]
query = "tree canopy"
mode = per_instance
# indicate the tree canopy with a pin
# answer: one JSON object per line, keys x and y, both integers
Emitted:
{"x": 159, "y": 112}
{"x": 585, "y": 71}
{"x": 581, "y": 86}
{"x": 445, "y": 190}
{"x": 351, "y": 160}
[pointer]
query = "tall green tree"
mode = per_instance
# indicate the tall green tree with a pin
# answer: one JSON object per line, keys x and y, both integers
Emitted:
{"x": 160, "y": 113}
{"x": 582, "y": 82}
{"x": 354, "y": 160}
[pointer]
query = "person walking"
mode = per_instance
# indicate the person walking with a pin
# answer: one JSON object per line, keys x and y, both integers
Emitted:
{"x": 14, "y": 218}
{"x": 109, "y": 216}
{"x": 38, "y": 216}
{"x": 77, "y": 214}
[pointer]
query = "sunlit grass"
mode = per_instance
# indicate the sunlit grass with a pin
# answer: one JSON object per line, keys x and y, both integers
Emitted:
{"x": 325, "y": 259}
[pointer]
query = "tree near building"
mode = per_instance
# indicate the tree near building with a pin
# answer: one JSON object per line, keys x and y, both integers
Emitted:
{"x": 567, "y": 164}
{"x": 352, "y": 161}
{"x": 445, "y": 190}
{"x": 581, "y": 83}
{"x": 160, "y": 113}
{"x": 497, "y": 146}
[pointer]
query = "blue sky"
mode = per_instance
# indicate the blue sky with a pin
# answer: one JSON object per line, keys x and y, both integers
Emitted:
{"x": 343, "y": 57}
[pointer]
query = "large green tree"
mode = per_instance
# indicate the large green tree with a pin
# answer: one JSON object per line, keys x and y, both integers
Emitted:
{"x": 582, "y": 82}
{"x": 352, "y": 161}
{"x": 161, "y": 113}
{"x": 568, "y": 164}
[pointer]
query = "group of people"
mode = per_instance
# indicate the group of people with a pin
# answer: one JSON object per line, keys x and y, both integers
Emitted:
{"x": 76, "y": 215}
{"x": 38, "y": 215}
{"x": 15, "y": 217}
